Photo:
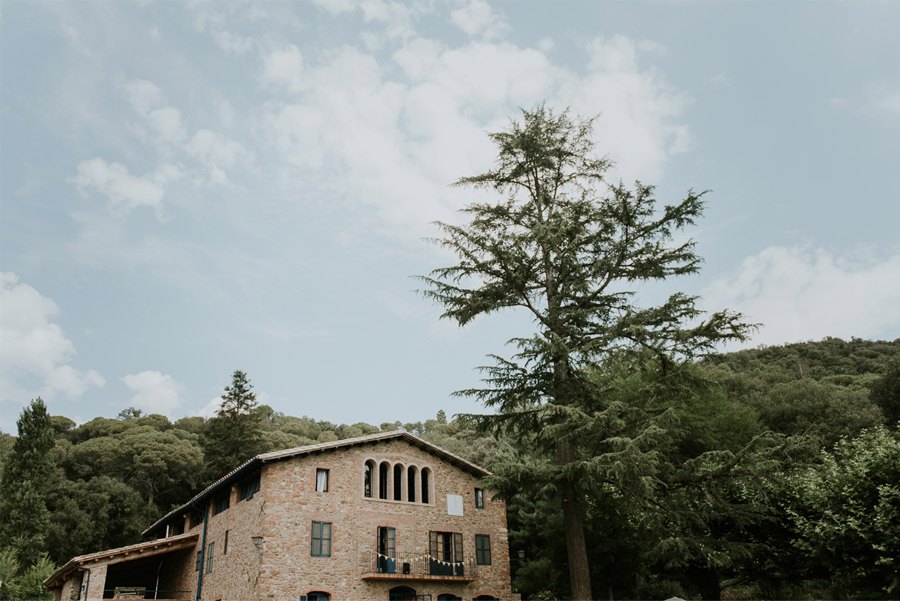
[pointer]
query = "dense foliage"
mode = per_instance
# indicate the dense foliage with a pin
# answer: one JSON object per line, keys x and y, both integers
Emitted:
{"x": 712, "y": 499}
{"x": 561, "y": 244}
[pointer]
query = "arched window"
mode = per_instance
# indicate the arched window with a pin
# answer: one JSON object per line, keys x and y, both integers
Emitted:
{"x": 398, "y": 482}
{"x": 367, "y": 477}
{"x": 485, "y": 598}
{"x": 318, "y": 596}
{"x": 426, "y": 483}
{"x": 448, "y": 597}
{"x": 402, "y": 593}
{"x": 411, "y": 484}
{"x": 383, "y": 471}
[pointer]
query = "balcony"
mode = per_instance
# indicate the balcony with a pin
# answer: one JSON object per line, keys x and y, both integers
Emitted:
{"x": 422, "y": 567}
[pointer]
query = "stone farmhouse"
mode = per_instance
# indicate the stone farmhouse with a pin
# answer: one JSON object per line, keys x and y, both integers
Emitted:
{"x": 385, "y": 516}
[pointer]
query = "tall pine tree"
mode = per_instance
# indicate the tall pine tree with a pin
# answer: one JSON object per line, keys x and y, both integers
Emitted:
{"x": 24, "y": 518}
{"x": 566, "y": 247}
{"x": 235, "y": 433}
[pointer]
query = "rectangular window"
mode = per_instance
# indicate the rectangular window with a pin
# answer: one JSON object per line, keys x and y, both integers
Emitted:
{"x": 321, "y": 480}
{"x": 196, "y": 518}
{"x": 221, "y": 503}
{"x": 321, "y": 539}
{"x": 479, "y": 498}
{"x": 445, "y": 550}
{"x": 210, "y": 551}
{"x": 483, "y": 549}
{"x": 225, "y": 543}
{"x": 199, "y": 562}
{"x": 250, "y": 487}
{"x": 387, "y": 550}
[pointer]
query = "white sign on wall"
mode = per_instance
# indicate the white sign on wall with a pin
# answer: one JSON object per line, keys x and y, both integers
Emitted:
{"x": 454, "y": 505}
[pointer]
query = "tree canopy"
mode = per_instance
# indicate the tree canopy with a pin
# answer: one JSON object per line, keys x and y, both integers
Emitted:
{"x": 569, "y": 248}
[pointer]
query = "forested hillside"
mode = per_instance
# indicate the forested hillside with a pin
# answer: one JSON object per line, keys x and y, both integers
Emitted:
{"x": 769, "y": 472}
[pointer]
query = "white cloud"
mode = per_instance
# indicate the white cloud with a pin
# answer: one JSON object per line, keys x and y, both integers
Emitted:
{"x": 231, "y": 42}
{"x": 35, "y": 354}
{"x": 395, "y": 140}
{"x": 125, "y": 192}
{"x": 477, "y": 17}
{"x": 801, "y": 293}
{"x": 397, "y": 17}
{"x": 147, "y": 100}
{"x": 209, "y": 409}
{"x": 336, "y": 7}
{"x": 284, "y": 66}
{"x": 637, "y": 108}
{"x": 154, "y": 392}
{"x": 215, "y": 152}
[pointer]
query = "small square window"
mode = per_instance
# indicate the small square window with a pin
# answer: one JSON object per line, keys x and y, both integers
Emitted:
{"x": 321, "y": 480}
{"x": 479, "y": 498}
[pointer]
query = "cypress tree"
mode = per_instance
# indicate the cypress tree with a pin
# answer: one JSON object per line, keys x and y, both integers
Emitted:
{"x": 235, "y": 433}
{"x": 24, "y": 518}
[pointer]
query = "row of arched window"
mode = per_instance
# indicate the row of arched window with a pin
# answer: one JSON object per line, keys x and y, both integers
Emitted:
{"x": 397, "y": 482}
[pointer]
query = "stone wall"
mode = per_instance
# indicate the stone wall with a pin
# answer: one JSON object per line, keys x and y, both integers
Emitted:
{"x": 235, "y": 574}
{"x": 292, "y": 504}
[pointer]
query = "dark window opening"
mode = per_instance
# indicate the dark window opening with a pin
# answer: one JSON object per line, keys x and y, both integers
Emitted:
{"x": 225, "y": 543}
{"x": 411, "y": 484}
{"x": 221, "y": 503}
{"x": 398, "y": 482}
{"x": 383, "y": 471}
{"x": 318, "y": 596}
{"x": 402, "y": 593}
{"x": 321, "y": 480}
{"x": 445, "y": 551}
{"x": 426, "y": 477}
{"x": 321, "y": 539}
{"x": 367, "y": 477}
{"x": 483, "y": 549}
{"x": 448, "y": 597}
{"x": 387, "y": 550}
{"x": 196, "y": 518}
{"x": 250, "y": 487}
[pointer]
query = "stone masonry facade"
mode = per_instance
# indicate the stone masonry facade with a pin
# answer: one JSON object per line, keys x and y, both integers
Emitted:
{"x": 385, "y": 516}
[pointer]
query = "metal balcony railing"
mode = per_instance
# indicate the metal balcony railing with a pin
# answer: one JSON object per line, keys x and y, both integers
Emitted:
{"x": 406, "y": 566}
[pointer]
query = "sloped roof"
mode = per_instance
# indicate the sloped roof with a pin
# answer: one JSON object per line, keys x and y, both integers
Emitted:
{"x": 145, "y": 549}
{"x": 255, "y": 462}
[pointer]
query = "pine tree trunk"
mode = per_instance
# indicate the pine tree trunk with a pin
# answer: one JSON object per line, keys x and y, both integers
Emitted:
{"x": 573, "y": 518}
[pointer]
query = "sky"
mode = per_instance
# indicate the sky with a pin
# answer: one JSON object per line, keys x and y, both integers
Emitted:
{"x": 192, "y": 188}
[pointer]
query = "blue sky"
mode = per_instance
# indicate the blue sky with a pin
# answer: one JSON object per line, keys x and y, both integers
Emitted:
{"x": 190, "y": 188}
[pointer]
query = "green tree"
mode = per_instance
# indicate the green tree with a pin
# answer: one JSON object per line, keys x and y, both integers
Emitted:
{"x": 88, "y": 516}
{"x": 24, "y": 518}
{"x": 568, "y": 248}
{"x": 24, "y": 585}
{"x": 847, "y": 515}
{"x": 886, "y": 393}
{"x": 235, "y": 433}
